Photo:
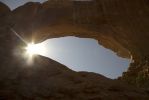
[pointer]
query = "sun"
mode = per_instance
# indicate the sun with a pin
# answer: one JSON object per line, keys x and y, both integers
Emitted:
{"x": 35, "y": 49}
{"x": 31, "y": 49}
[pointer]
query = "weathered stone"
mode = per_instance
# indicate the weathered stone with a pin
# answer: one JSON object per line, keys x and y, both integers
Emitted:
{"x": 120, "y": 25}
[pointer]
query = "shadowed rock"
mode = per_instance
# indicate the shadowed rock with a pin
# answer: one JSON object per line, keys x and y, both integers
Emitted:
{"x": 119, "y": 25}
{"x": 46, "y": 79}
{"x": 3, "y": 9}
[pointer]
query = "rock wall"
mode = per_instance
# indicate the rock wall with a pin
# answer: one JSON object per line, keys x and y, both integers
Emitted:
{"x": 120, "y": 25}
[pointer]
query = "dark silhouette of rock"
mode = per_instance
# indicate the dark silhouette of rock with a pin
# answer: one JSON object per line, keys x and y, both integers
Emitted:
{"x": 114, "y": 23}
{"x": 119, "y": 25}
{"x": 3, "y": 9}
{"x": 46, "y": 79}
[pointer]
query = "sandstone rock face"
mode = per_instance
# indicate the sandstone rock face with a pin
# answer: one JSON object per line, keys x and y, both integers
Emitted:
{"x": 120, "y": 25}
{"x": 116, "y": 24}
{"x": 49, "y": 80}
{"x": 3, "y": 9}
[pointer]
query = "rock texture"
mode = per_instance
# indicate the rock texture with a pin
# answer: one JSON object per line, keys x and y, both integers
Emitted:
{"x": 120, "y": 25}
{"x": 49, "y": 80}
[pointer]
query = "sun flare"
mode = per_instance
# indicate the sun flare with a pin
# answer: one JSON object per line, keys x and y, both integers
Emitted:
{"x": 34, "y": 49}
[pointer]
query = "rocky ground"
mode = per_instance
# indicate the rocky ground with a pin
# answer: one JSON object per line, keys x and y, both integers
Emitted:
{"x": 49, "y": 80}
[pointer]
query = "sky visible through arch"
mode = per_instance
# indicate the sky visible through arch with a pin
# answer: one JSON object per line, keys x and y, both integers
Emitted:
{"x": 85, "y": 54}
{"x": 80, "y": 54}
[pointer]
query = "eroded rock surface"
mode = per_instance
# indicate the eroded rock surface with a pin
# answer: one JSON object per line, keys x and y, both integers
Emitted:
{"x": 120, "y": 25}
{"x": 49, "y": 80}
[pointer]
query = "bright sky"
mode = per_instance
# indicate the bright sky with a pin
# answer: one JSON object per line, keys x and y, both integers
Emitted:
{"x": 16, "y": 3}
{"x": 85, "y": 54}
{"x": 81, "y": 54}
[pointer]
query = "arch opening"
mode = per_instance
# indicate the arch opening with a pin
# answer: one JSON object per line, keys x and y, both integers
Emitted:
{"x": 85, "y": 54}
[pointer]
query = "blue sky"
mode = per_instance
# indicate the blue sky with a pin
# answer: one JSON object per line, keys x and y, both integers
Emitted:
{"x": 16, "y": 3}
{"x": 85, "y": 54}
{"x": 80, "y": 54}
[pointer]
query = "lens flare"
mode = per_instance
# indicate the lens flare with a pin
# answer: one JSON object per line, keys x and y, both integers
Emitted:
{"x": 33, "y": 49}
